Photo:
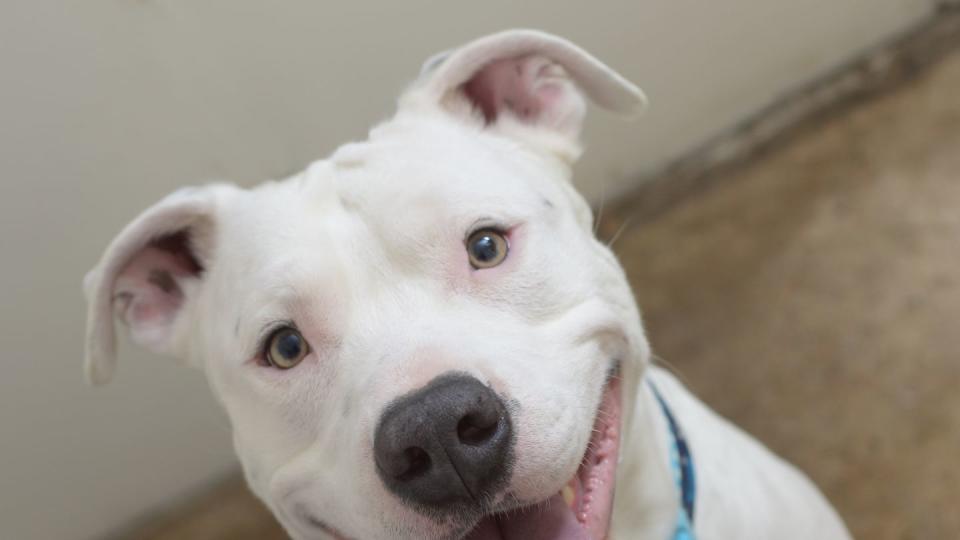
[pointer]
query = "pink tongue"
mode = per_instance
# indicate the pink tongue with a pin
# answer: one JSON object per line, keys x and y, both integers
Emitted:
{"x": 549, "y": 520}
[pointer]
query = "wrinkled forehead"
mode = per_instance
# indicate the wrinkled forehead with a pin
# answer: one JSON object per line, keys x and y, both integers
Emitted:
{"x": 410, "y": 184}
{"x": 409, "y": 168}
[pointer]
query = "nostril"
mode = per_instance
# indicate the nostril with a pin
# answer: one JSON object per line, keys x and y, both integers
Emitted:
{"x": 417, "y": 464}
{"x": 474, "y": 429}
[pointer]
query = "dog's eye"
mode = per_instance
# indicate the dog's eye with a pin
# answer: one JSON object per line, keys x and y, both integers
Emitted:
{"x": 487, "y": 248}
{"x": 286, "y": 348}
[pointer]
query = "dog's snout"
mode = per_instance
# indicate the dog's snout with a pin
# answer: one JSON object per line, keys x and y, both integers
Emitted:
{"x": 446, "y": 444}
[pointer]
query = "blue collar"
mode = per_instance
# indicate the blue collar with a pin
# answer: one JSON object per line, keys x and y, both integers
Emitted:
{"x": 681, "y": 462}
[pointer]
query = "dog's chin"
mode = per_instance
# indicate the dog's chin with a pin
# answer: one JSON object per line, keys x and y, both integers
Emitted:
{"x": 582, "y": 510}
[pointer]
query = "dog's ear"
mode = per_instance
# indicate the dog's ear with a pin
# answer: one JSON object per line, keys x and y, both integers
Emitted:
{"x": 148, "y": 275}
{"x": 524, "y": 82}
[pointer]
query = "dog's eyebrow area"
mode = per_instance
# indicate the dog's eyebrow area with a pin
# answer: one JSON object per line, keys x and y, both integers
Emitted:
{"x": 306, "y": 307}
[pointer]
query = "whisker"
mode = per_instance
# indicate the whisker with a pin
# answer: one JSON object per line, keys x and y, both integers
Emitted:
{"x": 620, "y": 230}
{"x": 673, "y": 369}
{"x": 603, "y": 199}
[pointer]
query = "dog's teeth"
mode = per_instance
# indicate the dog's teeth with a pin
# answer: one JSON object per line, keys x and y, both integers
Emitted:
{"x": 568, "y": 495}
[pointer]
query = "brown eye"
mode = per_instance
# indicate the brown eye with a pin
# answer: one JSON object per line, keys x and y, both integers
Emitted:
{"x": 286, "y": 348}
{"x": 487, "y": 248}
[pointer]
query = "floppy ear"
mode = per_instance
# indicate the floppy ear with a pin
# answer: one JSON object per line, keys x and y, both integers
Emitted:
{"x": 524, "y": 78}
{"x": 148, "y": 275}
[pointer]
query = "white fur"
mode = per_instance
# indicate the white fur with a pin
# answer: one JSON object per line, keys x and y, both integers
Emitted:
{"x": 364, "y": 252}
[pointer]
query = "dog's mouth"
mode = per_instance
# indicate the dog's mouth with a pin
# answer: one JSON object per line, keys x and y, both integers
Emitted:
{"x": 582, "y": 509}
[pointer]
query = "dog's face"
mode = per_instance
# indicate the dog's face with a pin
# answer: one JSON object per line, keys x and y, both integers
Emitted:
{"x": 418, "y": 337}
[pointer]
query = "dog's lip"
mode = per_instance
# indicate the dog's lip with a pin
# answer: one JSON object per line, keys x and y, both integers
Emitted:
{"x": 319, "y": 525}
{"x": 586, "y": 515}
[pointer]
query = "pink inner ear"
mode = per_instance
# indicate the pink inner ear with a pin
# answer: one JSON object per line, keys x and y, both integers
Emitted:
{"x": 148, "y": 292}
{"x": 530, "y": 87}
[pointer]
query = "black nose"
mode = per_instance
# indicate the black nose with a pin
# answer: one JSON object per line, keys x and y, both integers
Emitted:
{"x": 446, "y": 444}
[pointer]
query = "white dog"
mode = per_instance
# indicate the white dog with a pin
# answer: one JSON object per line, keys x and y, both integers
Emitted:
{"x": 420, "y": 338}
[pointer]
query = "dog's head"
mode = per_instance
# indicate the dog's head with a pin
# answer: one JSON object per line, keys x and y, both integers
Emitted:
{"x": 418, "y": 337}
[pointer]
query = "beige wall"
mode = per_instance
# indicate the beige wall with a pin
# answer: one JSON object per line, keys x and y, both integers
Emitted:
{"x": 107, "y": 105}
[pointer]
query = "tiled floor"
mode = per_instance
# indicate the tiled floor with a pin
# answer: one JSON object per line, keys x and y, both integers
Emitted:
{"x": 813, "y": 296}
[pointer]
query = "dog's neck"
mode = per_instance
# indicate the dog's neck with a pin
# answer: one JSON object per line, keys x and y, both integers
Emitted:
{"x": 647, "y": 498}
